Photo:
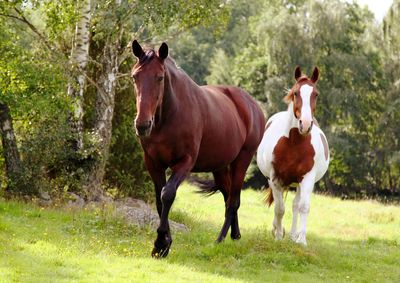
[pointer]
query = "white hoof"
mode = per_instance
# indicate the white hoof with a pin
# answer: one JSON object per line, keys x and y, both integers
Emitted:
{"x": 301, "y": 239}
{"x": 293, "y": 236}
{"x": 278, "y": 234}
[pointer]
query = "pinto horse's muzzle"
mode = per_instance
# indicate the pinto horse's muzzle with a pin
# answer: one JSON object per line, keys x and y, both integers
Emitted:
{"x": 143, "y": 129}
{"x": 305, "y": 128}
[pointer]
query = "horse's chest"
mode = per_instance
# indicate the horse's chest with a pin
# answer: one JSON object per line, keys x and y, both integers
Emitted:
{"x": 293, "y": 157}
{"x": 168, "y": 150}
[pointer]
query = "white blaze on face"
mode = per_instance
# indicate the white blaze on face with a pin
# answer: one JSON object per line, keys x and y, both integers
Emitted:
{"x": 306, "y": 113}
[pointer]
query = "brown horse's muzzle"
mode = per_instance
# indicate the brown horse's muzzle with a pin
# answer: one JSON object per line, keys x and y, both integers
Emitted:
{"x": 143, "y": 128}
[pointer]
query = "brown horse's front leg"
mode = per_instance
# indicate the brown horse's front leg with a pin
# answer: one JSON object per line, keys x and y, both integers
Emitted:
{"x": 164, "y": 239}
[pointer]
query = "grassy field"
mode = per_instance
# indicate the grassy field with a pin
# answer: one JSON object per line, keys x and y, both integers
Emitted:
{"x": 348, "y": 241}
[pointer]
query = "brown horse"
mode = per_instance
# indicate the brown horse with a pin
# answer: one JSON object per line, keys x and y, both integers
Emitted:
{"x": 191, "y": 128}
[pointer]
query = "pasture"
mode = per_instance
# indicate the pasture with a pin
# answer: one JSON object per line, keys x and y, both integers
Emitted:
{"x": 348, "y": 241}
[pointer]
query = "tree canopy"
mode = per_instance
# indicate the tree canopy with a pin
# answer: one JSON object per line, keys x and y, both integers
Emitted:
{"x": 255, "y": 45}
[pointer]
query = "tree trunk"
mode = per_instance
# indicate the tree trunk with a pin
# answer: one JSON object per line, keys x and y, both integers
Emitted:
{"x": 10, "y": 149}
{"x": 105, "y": 102}
{"x": 77, "y": 80}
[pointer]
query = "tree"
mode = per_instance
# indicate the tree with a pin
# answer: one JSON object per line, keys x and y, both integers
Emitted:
{"x": 77, "y": 80}
{"x": 342, "y": 40}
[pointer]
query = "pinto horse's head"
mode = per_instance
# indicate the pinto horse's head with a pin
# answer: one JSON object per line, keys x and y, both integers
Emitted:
{"x": 148, "y": 74}
{"x": 304, "y": 97}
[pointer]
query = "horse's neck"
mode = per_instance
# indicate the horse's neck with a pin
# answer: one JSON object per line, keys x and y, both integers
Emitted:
{"x": 174, "y": 95}
{"x": 291, "y": 121}
{"x": 177, "y": 85}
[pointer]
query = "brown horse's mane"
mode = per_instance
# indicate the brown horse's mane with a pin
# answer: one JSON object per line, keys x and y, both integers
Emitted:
{"x": 150, "y": 54}
{"x": 289, "y": 97}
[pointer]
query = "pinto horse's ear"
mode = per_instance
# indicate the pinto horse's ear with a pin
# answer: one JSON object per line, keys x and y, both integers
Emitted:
{"x": 297, "y": 73}
{"x": 315, "y": 75}
{"x": 137, "y": 49}
{"x": 163, "y": 51}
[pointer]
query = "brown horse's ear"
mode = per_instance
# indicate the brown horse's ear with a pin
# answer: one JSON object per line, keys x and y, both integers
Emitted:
{"x": 137, "y": 49}
{"x": 163, "y": 51}
{"x": 297, "y": 73}
{"x": 315, "y": 75}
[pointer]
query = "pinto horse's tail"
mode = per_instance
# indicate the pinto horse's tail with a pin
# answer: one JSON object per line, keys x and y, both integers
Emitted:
{"x": 269, "y": 198}
{"x": 206, "y": 187}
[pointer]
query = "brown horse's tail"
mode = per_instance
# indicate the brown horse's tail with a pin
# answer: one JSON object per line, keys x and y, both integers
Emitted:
{"x": 269, "y": 198}
{"x": 206, "y": 187}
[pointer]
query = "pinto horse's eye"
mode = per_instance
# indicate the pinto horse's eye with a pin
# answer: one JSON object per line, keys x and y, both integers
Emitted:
{"x": 296, "y": 93}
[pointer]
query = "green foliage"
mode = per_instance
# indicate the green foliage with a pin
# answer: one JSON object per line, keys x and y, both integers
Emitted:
{"x": 33, "y": 83}
{"x": 96, "y": 246}
{"x": 343, "y": 41}
{"x": 254, "y": 45}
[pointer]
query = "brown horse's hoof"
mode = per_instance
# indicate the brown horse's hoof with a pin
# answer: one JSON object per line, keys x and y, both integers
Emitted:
{"x": 160, "y": 252}
{"x": 236, "y": 237}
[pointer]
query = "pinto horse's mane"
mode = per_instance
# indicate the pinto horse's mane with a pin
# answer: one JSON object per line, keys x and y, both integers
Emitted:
{"x": 289, "y": 97}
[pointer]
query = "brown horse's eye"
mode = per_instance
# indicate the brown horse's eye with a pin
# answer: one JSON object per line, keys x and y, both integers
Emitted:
{"x": 160, "y": 78}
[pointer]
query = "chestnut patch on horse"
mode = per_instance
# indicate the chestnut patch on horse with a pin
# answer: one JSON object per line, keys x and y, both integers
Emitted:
{"x": 325, "y": 143}
{"x": 293, "y": 157}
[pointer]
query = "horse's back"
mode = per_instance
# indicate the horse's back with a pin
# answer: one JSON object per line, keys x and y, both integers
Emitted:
{"x": 232, "y": 122}
{"x": 248, "y": 110}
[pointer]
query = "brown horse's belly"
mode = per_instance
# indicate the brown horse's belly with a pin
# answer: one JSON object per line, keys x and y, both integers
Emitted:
{"x": 218, "y": 151}
{"x": 293, "y": 157}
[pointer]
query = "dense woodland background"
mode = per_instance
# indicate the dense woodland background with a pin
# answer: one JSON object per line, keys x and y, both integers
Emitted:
{"x": 67, "y": 103}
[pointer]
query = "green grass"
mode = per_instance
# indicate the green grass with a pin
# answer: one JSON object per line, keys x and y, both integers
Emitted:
{"x": 348, "y": 241}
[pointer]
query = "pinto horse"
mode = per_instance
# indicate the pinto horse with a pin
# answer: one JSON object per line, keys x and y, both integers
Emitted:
{"x": 294, "y": 150}
{"x": 191, "y": 128}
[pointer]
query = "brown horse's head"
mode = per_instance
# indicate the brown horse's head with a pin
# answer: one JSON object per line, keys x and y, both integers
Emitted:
{"x": 304, "y": 97}
{"x": 148, "y": 74}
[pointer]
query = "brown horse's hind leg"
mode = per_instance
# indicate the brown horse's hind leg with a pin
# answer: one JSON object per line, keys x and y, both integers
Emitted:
{"x": 223, "y": 183}
{"x": 237, "y": 173}
{"x": 222, "y": 180}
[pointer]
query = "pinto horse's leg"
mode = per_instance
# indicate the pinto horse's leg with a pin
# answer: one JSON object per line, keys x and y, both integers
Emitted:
{"x": 277, "y": 192}
{"x": 238, "y": 171}
{"x": 306, "y": 187}
{"x": 168, "y": 192}
{"x": 295, "y": 210}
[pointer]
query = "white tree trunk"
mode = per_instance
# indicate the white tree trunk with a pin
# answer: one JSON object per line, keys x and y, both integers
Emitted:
{"x": 105, "y": 103}
{"x": 10, "y": 149}
{"x": 78, "y": 61}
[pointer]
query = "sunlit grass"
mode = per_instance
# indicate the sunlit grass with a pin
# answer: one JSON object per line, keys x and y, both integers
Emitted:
{"x": 348, "y": 241}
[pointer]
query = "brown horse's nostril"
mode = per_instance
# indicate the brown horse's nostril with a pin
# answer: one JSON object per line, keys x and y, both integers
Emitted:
{"x": 142, "y": 128}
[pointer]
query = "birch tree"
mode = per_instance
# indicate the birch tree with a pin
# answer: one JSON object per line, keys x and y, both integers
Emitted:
{"x": 78, "y": 62}
{"x": 10, "y": 149}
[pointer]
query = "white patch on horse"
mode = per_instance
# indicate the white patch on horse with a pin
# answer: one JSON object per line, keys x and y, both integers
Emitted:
{"x": 306, "y": 113}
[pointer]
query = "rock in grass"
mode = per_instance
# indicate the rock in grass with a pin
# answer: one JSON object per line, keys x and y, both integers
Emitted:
{"x": 139, "y": 213}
